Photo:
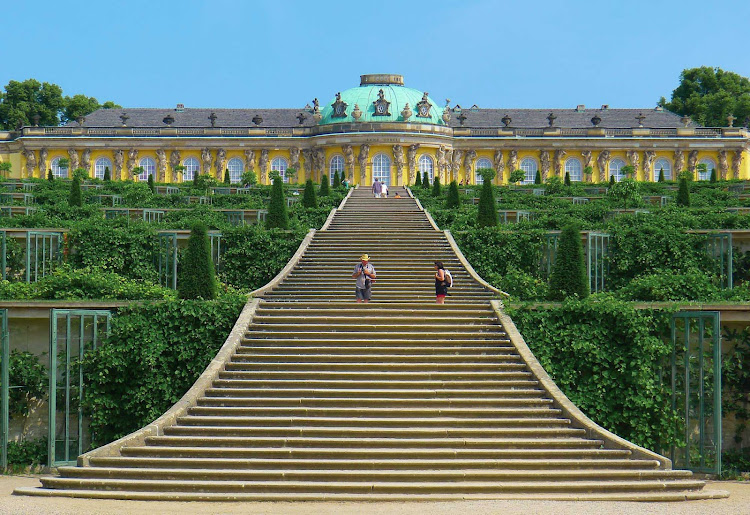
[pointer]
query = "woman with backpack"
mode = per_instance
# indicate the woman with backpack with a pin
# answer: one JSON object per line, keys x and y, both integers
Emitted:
{"x": 443, "y": 280}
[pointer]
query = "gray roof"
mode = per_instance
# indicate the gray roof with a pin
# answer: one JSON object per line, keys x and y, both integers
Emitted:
{"x": 521, "y": 118}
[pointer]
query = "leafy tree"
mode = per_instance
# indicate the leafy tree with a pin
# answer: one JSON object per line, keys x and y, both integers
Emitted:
{"x": 708, "y": 95}
{"x": 107, "y": 176}
{"x": 278, "y": 217}
{"x": 81, "y": 173}
{"x": 63, "y": 163}
{"x": 309, "y": 198}
{"x": 418, "y": 180}
{"x": 453, "y": 200}
{"x": 569, "y": 271}
{"x": 567, "y": 178}
{"x": 151, "y": 183}
{"x": 588, "y": 171}
{"x": 226, "y": 176}
{"x": 538, "y": 178}
{"x": 21, "y": 101}
{"x": 197, "y": 278}
{"x": 325, "y": 187}
{"x": 517, "y": 176}
{"x": 137, "y": 171}
{"x": 661, "y": 174}
{"x": 628, "y": 170}
{"x": 683, "y": 194}
{"x": 436, "y": 191}
{"x": 249, "y": 178}
{"x": 81, "y": 105}
{"x": 487, "y": 213}
{"x": 177, "y": 171}
{"x": 5, "y": 168}
{"x": 75, "y": 199}
{"x": 701, "y": 169}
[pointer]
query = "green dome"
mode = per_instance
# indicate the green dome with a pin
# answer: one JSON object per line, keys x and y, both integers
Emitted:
{"x": 394, "y": 92}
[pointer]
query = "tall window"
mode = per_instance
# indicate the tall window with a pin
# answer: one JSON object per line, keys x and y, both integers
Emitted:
{"x": 529, "y": 166}
{"x": 279, "y": 164}
{"x": 235, "y": 167}
{"x": 102, "y": 164}
{"x": 426, "y": 165}
{"x": 615, "y": 169}
{"x": 710, "y": 165}
{"x": 336, "y": 165}
{"x": 663, "y": 164}
{"x": 574, "y": 169}
{"x": 381, "y": 169}
{"x": 192, "y": 168}
{"x": 481, "y": 163}
{"x": 57, "y": 170}
{"x": 149, "y": 168}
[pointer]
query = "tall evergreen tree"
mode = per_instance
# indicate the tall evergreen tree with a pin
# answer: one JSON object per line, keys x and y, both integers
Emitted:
{"x": 538, "y": 178}
{"x": 569, "y": 271}
{"x": 197, "y": 279}
{"x": 151, "y": 183}
{"x": 567, "y": 179}
{"x": 453, "y": 200}
{"x": 426, "y": 180}
{"x": 50, "y": 175}
{"x": 309, "y": 198}
{"x": 683, "y": 194}
{"x": 436, "y": 190}
{"x": 487, "y": 212}
{"x": 227, "y": 180}
{"x": 278, "y": 217}
{"x": 75, "y": 199}
{"x": 107, "y": 176}
{"x": 325, "y": 188}
{"x": 661, "y": 174}
{"x": 336, "y": 180}
{"x": 611, "y": 180}
{"x": 418, "y": 180}
{"x": 713, "y": 175}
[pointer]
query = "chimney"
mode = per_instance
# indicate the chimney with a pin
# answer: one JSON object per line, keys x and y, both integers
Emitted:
{"x": 180, "y": 108}
{"x": 605, "y": 107}
{"x": 580, "y": 108}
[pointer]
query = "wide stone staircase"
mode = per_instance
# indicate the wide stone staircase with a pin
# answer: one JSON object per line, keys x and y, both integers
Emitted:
{"x": 398, "y": 399}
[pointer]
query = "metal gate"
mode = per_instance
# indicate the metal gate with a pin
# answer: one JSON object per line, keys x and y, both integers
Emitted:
{"x": 719, "y": 248}
{"x": 72, "y": 333}
{"x": 167, "y": 260}
{"x": 43, "y": 254}
{"x": 597, "y": 260}
{"x": 696, "y": 389}
{"x": 4, "y": 388}
{"x": 549, "y": 253}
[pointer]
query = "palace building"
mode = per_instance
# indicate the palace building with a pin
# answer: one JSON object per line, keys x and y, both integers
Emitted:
{"x": 380, "y": 129}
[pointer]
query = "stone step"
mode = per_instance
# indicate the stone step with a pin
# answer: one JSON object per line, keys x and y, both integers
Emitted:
{"x": 543, "y": 418}
{"x": 372, "y": 393}
{"x": 475, "y": 402}
{"x": 252, "y": 341}
{"x": 373, "y": 412}
{"x": 279, "y": 381}
{"x": 362, "y": 359}
{"x": 371, "y": 351}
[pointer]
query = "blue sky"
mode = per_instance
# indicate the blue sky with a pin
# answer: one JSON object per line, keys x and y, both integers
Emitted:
{"x": 225, "y": 53}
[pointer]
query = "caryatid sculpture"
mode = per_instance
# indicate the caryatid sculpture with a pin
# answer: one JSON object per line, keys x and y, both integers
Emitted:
{"x": 132, "y": 161}
{"x": 348, "y": 161}
{"x": 634, "y": 158}
{"x": 602, "y": 161}
{"x": 458, "y": 156}
{"x": 319, "y": 161}
{"x": 679, "y": 162}
{"x": 723, "y": 165}
{"x": 736, "y": 164}
{"x": 294, "y": 154}
{"x": 43, "y": 155}
{"x": 220, "y": 163}
{"x": 471, "y": 156}
{"x": 440, "y": 159}
{"x": 263, "y": 165}
{"x": 499, "y": 164}
{"x": 398, "y": 160}
{"x": 649, "y": 156}
{"x": 206, "y": 161}
{"x": 588, "y": 158}
{"x": 364, "y": 152}
{"x": 161, "y": 165}
{"x": 544, "y": 160}
{"x": 448, "y": 166}
{"x": 174, "y": 162}
{"x": 86, "y": 160}
{"x": 30, "y": 163}
{"x": 308, "y": 161}
{"x": 411, "y": 157}
{"x": 75, "y": 163}
{"x": 558, "y": 162}
{"x": 250, "y": 160}
{"x": 513, "y": 160}
{"x": 693, "y": 160}
{"x": 119, "y": 160}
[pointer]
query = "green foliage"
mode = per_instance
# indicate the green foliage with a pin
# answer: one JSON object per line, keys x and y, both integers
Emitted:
{"x": 107, "y": 176}
{"x": 426, "y": 180}
{"x": 669, "y": 285}
{"x": 567, "y": 179}
{"x": 27, "y": 452}
{"x": 517, "y": 176}
{"x": 278, "y": 217}
{"x": 611, "y": 180}
{"x": 735, "y": 380}
{"x": 418, "y": 180}
{"x": 603, "y": 355}
{"x": 150, "y": 183}
{"x": 588, "y": 171}
{"x": 204, "y": 181}
{"x": 80, "y": 105}
{"x": 50, "y": 175}
{"x": 713, "y": 175}
{"x": 554, "y": 186}
{"x": 453, "y": 200}
{"x": 309, "y": 197}
{"x": 625, "y": 193}
{"x": 197, "y": 279}
{"x": 628, "y": 170}
{"x": 708, "y": 95}
{"x": 27, "y": 379}
{"x": 5, "y": 168}
{"x": 569, "y": 278}
{"x": 523, "y": 285}
{"x": 21, "y": 101}
{"x": 487, "y": 174}
{"x": 538, "y": 178}
{"x": 735, "y": 464}
{"x": 487, "y": 210}
{"x": 325, "y": 187}
{"x": 436, "y": 190}
{"x": 75, "y": 193}
{"x": 227, "y": 180}
{"x": 81, "y": 173}
{"x": 336, "y": 181}
{"x": 154, "y": 353}
{"x": 683, "y": 194}
{"x": 661, "y": 174}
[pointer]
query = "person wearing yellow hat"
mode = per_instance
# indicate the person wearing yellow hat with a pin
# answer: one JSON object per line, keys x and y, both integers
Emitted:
{"x": 364, "y": 273}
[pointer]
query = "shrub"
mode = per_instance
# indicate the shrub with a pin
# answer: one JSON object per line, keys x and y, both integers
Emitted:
{"x": 249, "y": 178}
{"x": 150, "y": 183}
{"x": 661, "y": 174}
{"x": 336, "y": 180}
{"x": 418, "y": 180}
{"x": 567, "y": 179}
{"x": 517, "y": 176}
{"x": 569, "y": 276}
{"x": 29, "y": 378}
{"x": 683, "y": 194}
{"x": 325, "y": 188}
{"x": 538, "y": 178}
{"x": 107, "y": 176}
{"x": 50, "y": 175}
{"x": 453, "y": 200}
{"x": 667, "y": 285}
{"x": 227, "y": 180}
{"x": 522, "y": 285}
{"x": 27, "y": 452}
{"x": 92, "y": 283}
{"x": 625, "y": 193}
{"x": 75, "y": 193}
{"x": 436, "y": 190}
{"x": 426, "y": 179}
{"x": 713, "y": 175}
{"x": 611, "y": 180}
{"x": 197, "y": 279}
{"x": 487, "y": 211}
{"x": 309, "y": 198}
{"x": 278, "y": 216}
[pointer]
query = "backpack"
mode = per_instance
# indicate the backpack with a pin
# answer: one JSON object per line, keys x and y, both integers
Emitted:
{"x": 448, "y": 278}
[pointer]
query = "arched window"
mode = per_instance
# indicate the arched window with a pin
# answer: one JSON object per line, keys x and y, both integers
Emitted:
{"x": 381, "y": 169}
{"x": 529, "y": 166}
{"x": 481, "y": 163}
{"x": 192, "y": 168}
{"x": 663, "y": 164}
{"x": 57, "y": 170}
{"x": 426, "y": 165}
{"x": 236, "y": 167}
{"x": 102, "y": 164}
{"x": 710, "y": 165}
{"x": 149, "y": 168}
{"x": 336, "y": 165}
{"x": 615, "y": 169}
{"x": 279, "y": 164}
{"x": 574, "y": 169}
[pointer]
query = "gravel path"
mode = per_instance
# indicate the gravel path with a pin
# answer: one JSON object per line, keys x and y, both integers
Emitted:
{"x": 737, "y": 504}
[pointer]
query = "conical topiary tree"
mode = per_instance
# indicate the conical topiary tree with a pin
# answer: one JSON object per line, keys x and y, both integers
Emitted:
{"x": 486, "y": 213}
{"x": 75, "y": 199}
{"x": 453, "y": 200}
{"x": 683, "y": 194}
{"x": 197, "y": 278}
{"x": 611, "y": 180}
{"x": 107, "y": 176}
{"x": 569, "y": 271}
{"x": 278, "y": 217}
{"x": 713, "y": 175}
{"x": 418, "y": 180}
{"x": 309, "y": 198}
{"x": 336, "y": 180}
{"x": 661, "y": 174}
{"x": 436, "y": 190}
{"x": 325, "y": 188}
{"x": 226, "y": 177}
{"x": 50, "y": 175}
{"x": 151, "y": 183}
{"x": 538, "y": 178}
{"x": 567, "y": 179}
{"x": 425, "y": 180}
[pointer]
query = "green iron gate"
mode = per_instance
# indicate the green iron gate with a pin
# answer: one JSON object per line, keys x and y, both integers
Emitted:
{"x": 43, "y": 254}
{"x": 597, "y": 260}
{"x": 719, "y": 248}
{"x": 549, "y": 252}
{"x": 696, "y": 389}
{"x": 167, "y": 260}
{"x": 4, "y": 256}
{"x": 216, "y": 249}
{"x": 4, "y": 388}
{"x": 72, "y": 333}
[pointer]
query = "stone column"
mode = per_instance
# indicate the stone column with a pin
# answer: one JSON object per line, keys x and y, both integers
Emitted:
{"x": 458, "y": 156}
{"x": 132, "y": 162}
{"x": 692, "y": 161}
{"x": 588, "y": 159}
{"x": 86, "y": 161}
{"x": 294, "y": 154}
{"x": 634, "y": 159}
{"x": 206, "y": 161}
{"x": 74, "y": 160}
{"x": 499, "y": 163}
{"x": 43, "y": 155}
{"x": 348, "y": 152}
{"x": 174, "y": 162}
{"x": 307, "y": 158}
{"x": 250, "y": 160}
